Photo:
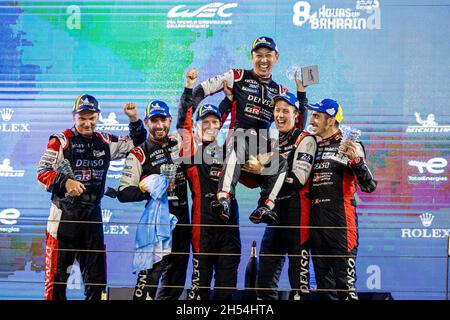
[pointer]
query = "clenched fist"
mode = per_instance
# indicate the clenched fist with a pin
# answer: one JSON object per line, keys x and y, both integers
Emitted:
{"x": 191, "y": 78}
{"x": 130, "y": 110}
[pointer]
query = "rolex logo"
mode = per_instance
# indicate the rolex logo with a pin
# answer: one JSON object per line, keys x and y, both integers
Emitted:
{"x": 425, "y": 232}
{"x": 106, "y": 215}
{"x": 426, "y": 218}
{"x": 6, "y": 113}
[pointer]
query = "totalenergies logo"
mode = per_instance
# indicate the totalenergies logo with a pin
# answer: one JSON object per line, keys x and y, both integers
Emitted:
{"x": 8, "y": 218}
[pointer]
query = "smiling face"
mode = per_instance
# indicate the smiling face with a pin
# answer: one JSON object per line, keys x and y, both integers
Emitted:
{"x": 322, "y": 124}
{"x": 85, "y": 122}
{"x": 285, "y": 116}
{"x": 210, "y": 126}
{"x": 264, "y": 60}
{"x": 158, "y": 126}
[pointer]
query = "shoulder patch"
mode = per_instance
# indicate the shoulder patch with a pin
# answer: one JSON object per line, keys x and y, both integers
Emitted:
{"x": 63, "y": 137}
{"x": 303, "y": 135}
{"x": 174, "y": 136}
{"x": 104, "y": 136}
{"x": 139, "y": 154}
{"x": 238, "y": 74}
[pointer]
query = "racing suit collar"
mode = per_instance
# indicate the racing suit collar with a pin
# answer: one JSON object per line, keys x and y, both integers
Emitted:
{"x": 77, "y": 133}
{"x": 286, "y": 135}
{"x": 260, "y": 79}
{"x": 335, "y": 136}
{"x": 163, "y": 142}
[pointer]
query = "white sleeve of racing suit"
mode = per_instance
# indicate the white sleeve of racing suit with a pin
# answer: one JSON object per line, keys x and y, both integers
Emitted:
{"x": 131, "y": 173}
{"x": 304, "y": 158}
{"x": 215, "y": 84}
{"x": 118, "y": 146}
{"x": 360, "y": 150}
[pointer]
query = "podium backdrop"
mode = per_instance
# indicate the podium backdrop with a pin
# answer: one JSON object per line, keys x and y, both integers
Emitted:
{"x": 386, "y": 62}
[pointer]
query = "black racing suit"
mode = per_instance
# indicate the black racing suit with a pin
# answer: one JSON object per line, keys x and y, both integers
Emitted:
{"x": 251, "y": 116}
{"x": 89, "y": 161}
{"x": 142, "y": 162}
{"x": 202, "y": 164}
{"x": 292, "y": 208}
{"x": 334, "y": 244}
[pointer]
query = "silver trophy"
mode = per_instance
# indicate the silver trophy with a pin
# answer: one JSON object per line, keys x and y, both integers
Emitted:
{"x": 65, "y": 168}
{"x": 169, "y": 170}
{"x": 290, "y": 72}
{"x": 349, "y": 134}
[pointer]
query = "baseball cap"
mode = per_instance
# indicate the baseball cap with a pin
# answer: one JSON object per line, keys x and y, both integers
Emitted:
{"x": 288, "y": 97}
{"x": 264, "y": 42}
{"x": 86, "y": 102}
{"x": 157, "y": 107}
{"x": 206, "y": 109}
{"x": 328, "y": 106}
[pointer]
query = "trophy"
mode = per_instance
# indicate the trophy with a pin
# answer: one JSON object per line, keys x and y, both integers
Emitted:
{"x": 290, "y": 72}
{"x": 65, "y": 168}
{"x": 349, "y": 134}
{"x": 169, "y": 170}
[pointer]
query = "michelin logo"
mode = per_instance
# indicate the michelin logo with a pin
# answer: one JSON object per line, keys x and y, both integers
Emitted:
{"x": 427, "y": 125}
{"x": 7, "y": 171}
{"x": 110, "y": 123}
{"x": 365, "y": 16}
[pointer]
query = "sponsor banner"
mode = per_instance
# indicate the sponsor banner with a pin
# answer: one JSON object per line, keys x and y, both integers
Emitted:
{"x": 365, "y": 15}
{"x": 113, "y": 229}
{"x": 115, "y": 169}
{"x": 193, "y": 17}
{"x": 7, "y": 126}
{"x": 110, "y": 123}
{"x": 427, "y": 124}
{"x": 432, "y": 170}
{"x": 6, "y": 170}
{"x": 426, "y": 219}
{"x": 8, "y": 220}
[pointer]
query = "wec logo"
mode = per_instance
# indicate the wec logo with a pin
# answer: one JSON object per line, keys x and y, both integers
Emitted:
{"x": 209, "y": 10}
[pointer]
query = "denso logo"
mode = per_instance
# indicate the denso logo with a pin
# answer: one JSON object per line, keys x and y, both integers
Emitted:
{"x": 209, "y": 10}
{"x": 89, "y": 163}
